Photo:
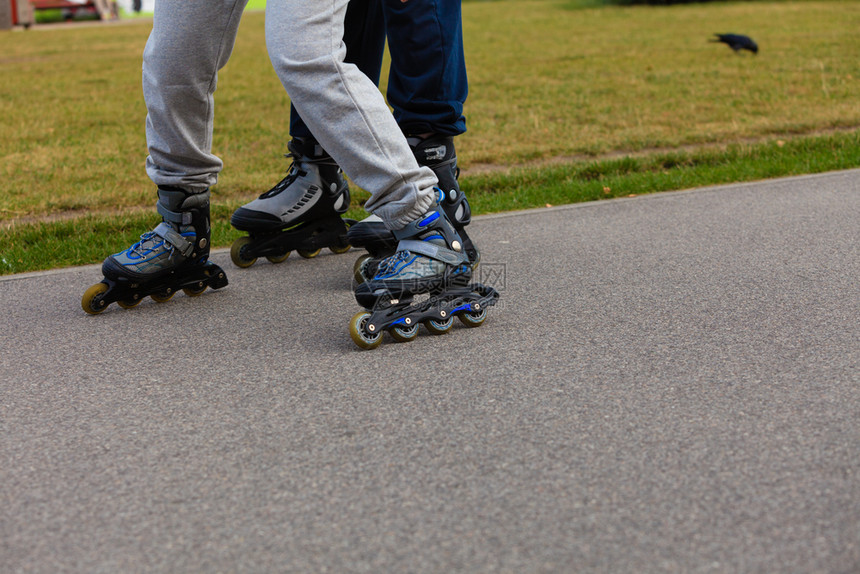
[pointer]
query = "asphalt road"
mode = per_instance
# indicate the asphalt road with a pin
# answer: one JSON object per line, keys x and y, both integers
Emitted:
{"x": 669, "y": 383}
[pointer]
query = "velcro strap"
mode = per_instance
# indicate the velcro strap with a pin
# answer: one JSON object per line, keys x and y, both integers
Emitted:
{"x": 178, "y": 217}
{"x": 174, "y": 238}
{"x": 432, "y": 251}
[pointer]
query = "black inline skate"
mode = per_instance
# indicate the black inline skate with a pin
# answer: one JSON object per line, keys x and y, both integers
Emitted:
{"x": 171, "y": 257}
{"x": 437, "y": 153}
{"x": 302, "y": 212}
{"x": 430, "y": 260}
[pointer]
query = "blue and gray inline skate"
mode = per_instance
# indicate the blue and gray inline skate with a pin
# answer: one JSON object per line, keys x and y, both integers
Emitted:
{"x": 437, "y": 153}
{"x": 171, "y": 257}
{"x": 429, "y": 260}
{"x": 302, "y": 212}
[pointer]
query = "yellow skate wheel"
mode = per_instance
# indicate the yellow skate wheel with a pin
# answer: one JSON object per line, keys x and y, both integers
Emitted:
{"x": 359, "y": 333}
{"x": 88, "y": 301}
{"x": 278, "y": 258}
{"x": 195, "y": 290}
{"x": 439, "y": 327}
{"x": 357, "y": 267}
{"x": 473, "y": 318}
{"x": 404, "y": 333}
{"x": 164, "y": 296}
{"x": 338, "y": 249}
{"x": 237, "y": 253}
{"x": 308, "y": 254}
{"x": 131, "y": 302}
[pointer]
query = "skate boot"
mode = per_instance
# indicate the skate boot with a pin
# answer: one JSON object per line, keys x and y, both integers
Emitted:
{"x": 171, "y": 257}
{"x": 430, "y": 260}
{"x": 437, "y": 153}
{"x": 302, "y": 212}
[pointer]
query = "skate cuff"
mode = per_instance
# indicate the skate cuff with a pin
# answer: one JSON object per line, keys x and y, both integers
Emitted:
{"x": 174, "y": 238}
{"x": 432, "y": 251}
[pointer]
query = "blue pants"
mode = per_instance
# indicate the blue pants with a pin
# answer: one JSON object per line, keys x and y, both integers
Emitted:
{"x": 427, "y": 83}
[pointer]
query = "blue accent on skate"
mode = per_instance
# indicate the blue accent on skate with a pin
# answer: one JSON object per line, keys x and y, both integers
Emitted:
{"x": 394, "y": 265}
{"x": 429, "y": 219}
{"x": 400, "y": 321}
{"x": 434, "y": 237}
{"x": 137, "y": 255}
{"x": 466, "y": 307}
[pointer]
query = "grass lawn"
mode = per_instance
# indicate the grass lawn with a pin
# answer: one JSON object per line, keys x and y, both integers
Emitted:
{"x": 567, "y": 103}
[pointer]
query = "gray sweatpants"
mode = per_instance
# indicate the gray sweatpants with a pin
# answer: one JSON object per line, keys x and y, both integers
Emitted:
{"x": 192, "y": 40}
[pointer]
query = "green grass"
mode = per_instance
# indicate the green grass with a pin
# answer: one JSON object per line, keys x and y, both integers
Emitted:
{"x": 565, "y": 100}
{"x": 47, "y": 245}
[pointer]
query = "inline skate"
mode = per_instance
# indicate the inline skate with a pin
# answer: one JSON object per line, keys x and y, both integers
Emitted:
{"x": 430, "y": 260}
{"x": 171, "y": 257}
{"x": 302, "y": 212}
{"x": 437, "y": 153}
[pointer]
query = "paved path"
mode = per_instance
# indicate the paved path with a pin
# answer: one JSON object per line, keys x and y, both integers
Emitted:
{"x": 669, "y": 384}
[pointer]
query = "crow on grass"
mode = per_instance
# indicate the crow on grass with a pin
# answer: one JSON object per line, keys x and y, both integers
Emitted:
{"x": 737, "y": 42}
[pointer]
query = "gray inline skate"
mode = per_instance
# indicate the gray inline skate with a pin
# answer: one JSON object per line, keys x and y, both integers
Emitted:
{"x": 173, "y": 256}
{"x": 430, "y": 260}
{"x": 302, "y": 212}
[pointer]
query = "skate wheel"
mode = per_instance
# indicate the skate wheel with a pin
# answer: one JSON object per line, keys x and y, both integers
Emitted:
{"x": 164, "y": 296}
{"x": 359, "y": 334}
{"x": 91, "y": 302}
{"x": 195, "y": 290}
{"x": 338, "y": 250}
{"x": 439, "y": 327}
{"x": 308, "y": 253}
{"x": 130, "y": 303}
{"x": 473, "y": 318}
{"x": 278, "y": 258}
{"x": 358, "y": 268}
{"x": 238, "y": 253}
{"x": 404, "y": 333}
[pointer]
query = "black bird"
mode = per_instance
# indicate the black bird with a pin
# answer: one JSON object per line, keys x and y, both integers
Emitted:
{"x": 737, "y": 42}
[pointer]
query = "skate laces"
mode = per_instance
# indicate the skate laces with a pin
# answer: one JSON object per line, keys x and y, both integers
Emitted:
{"x": 140, "y": 250}
{"x": 405, "y": 261}
{"x": 393, "y": 264}
{"x": 293, "y": 174}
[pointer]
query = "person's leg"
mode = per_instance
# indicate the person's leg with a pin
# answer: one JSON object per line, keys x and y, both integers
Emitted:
{"x": 302, "y": 211}
{"x": 427, "y": 85}
{"x": 344, "y": 109}
{"x": 189, "y": 43}
{"x": 427, "y": 89}
{"x": 335, "y": 98}
{"x": 364, "y": 37}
